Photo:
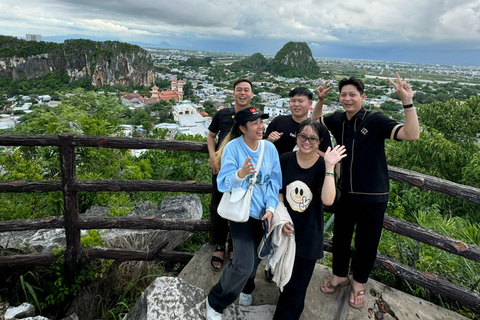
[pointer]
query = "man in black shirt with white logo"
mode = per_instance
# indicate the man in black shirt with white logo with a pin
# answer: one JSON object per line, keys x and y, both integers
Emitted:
{"x": 281, "y": 131}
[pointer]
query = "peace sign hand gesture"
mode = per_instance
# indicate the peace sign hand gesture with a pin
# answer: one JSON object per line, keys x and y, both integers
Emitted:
{"x": 323, "y": 90}
{"x": 403, "y": 88}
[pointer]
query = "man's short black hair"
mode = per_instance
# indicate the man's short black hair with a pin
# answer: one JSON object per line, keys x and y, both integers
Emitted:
{"x": 353, "y": 81}
{"x": 301, "y": 91}
{"x": 242, "y": 80}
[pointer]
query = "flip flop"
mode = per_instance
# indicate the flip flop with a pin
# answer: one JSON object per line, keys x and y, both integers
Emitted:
{"x": 327, "y": 285}
{"x": 356, "y": 294}
{"x": 217, "y": 259}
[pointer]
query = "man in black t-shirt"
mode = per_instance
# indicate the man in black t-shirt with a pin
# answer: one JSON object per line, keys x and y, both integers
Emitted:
{"x": 281, "y": 131}
{"x": 221, "y": 124}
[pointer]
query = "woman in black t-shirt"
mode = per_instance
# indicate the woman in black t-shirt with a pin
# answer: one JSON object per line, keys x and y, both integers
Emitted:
{"x": 308, "y": 183}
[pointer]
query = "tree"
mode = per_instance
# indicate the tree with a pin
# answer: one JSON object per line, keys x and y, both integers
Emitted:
{"x": 446, "y": 149}
{"x": 457, "y": 121}
{"x": 147, "y": 126}
{"x": 209, "y": 108}
{"x": 188, "y": 90}
{"x": 391, "y": 106}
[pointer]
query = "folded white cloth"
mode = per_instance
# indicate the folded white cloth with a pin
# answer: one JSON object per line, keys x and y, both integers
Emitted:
{"x": 280, "y": 262}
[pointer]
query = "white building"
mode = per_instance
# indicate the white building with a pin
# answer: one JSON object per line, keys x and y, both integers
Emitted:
{"x": 25, "y": 108}
{"x": 268, "y": 96}
{"x": 281, "y": 107}
{"x": 184, "y": 107}
{"x": 34, "y": 37}
{"x": 7, "y": 122}
{"x": 193, "y": 124}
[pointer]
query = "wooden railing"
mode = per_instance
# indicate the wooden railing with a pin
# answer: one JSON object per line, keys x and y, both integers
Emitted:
{"x": 73, "y": 223}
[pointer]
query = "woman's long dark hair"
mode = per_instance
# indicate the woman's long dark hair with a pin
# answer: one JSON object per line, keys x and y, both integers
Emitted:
{"x": 235, "y": 132}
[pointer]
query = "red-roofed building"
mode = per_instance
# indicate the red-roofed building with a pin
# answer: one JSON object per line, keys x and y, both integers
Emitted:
{"x": 176, "y": 93}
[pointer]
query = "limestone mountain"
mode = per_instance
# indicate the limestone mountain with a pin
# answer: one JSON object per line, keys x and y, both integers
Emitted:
{"x": 256, "y": 62}
{"x": 102, "y": 63}
{"x": 294, "y": 60}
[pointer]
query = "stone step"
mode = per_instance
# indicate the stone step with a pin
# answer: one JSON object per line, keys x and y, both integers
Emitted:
{"x": 318, "y": 305}
{"x": 184, "y": 298}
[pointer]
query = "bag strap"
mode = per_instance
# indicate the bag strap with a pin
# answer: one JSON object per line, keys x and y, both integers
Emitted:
{"x": 259, "y": 163}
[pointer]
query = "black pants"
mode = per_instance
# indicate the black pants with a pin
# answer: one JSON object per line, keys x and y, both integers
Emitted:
{"x": 239, "y": 274}
{"x": 367, "y": 220}
{"x": 292, "y": 300}
{"x": 219, "y": 225}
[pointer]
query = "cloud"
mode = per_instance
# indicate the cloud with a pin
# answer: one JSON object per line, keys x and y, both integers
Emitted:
{"x": 320, "y": 22}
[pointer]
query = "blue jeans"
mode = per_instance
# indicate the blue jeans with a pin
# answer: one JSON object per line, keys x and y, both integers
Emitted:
{"x": 239, "y": 274}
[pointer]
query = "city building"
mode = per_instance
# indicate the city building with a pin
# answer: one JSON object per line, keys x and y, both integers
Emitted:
{"x": 176, "y": 93}
{"x": 268, "y": 96}
{"x": 34, "y": 37}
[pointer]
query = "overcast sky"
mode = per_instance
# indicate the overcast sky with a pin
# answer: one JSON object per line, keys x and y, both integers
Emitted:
{"x": 430, "y": 31}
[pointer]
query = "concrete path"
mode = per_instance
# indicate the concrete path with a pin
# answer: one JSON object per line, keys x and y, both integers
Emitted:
{"x": 394, "y": 304}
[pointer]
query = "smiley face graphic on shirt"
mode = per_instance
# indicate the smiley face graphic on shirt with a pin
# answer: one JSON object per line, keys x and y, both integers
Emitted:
{"x": 298, "y": 196}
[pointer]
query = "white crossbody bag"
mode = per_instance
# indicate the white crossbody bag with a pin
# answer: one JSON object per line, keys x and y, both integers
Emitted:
{"x": 235, "y": 205}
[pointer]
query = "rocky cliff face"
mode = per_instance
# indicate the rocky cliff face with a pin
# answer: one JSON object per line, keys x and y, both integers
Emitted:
{"x": 294, "y": 60}
{"x": 103, "y": 63}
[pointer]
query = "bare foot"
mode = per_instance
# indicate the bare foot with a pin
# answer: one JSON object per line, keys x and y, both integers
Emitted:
{"x": 334, "y": 284}
{"x": 357, "y": 296}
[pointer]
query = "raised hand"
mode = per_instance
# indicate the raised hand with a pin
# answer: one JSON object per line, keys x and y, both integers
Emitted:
{"x": 323, "y": 90}
{"x": 333, "y": 156}
{"x": 246, "y": 168}
{"x": 403, "y": 89}
{"x": 274, "y": 136}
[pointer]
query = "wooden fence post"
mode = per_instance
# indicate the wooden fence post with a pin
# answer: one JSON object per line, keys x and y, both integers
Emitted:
{"x": 70, "y": 207}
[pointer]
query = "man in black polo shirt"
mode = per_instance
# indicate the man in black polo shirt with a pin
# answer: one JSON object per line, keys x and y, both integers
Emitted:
{"x": 364, "y": 179}
{"x": 221, "y": 124}
{"x": 281, "y": 131}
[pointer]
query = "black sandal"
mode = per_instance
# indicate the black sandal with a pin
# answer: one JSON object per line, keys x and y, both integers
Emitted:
{"x": 217, "y": 259}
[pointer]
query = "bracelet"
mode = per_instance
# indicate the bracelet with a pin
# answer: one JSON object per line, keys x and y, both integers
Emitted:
{"x": 408, "y": 106}
{"x": 410, "y": 109}
{"x": 329, "y": 174}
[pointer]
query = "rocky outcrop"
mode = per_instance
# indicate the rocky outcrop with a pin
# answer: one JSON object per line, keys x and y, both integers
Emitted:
{"x": 180, "y": 207}
{"x": 103, "y": 63}
{"x": 294, "y": 60}
{"x": 172, "y": 298}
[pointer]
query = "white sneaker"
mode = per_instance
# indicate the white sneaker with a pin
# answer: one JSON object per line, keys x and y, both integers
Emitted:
{"x": 245, "y": 299}
{"x": 211, "y": 314}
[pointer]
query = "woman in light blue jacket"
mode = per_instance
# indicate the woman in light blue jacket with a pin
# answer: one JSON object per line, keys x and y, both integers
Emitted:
{"x": 239, "y": 154}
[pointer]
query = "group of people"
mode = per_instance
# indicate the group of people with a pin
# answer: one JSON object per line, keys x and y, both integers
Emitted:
{"x": 297, "y": 172}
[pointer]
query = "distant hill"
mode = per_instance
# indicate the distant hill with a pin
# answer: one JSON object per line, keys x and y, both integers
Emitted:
{"x": 256, "y": 62}
{"x": 102, "y": 63}
{"x": 294, "y": 60}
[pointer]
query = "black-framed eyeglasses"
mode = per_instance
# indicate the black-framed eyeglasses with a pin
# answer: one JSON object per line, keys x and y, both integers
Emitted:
{"x": 303, "y": 138}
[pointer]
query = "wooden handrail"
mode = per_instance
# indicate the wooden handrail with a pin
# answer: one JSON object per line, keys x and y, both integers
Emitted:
{"x": 423, "y": 181}
{"x": 73, "y": 222}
